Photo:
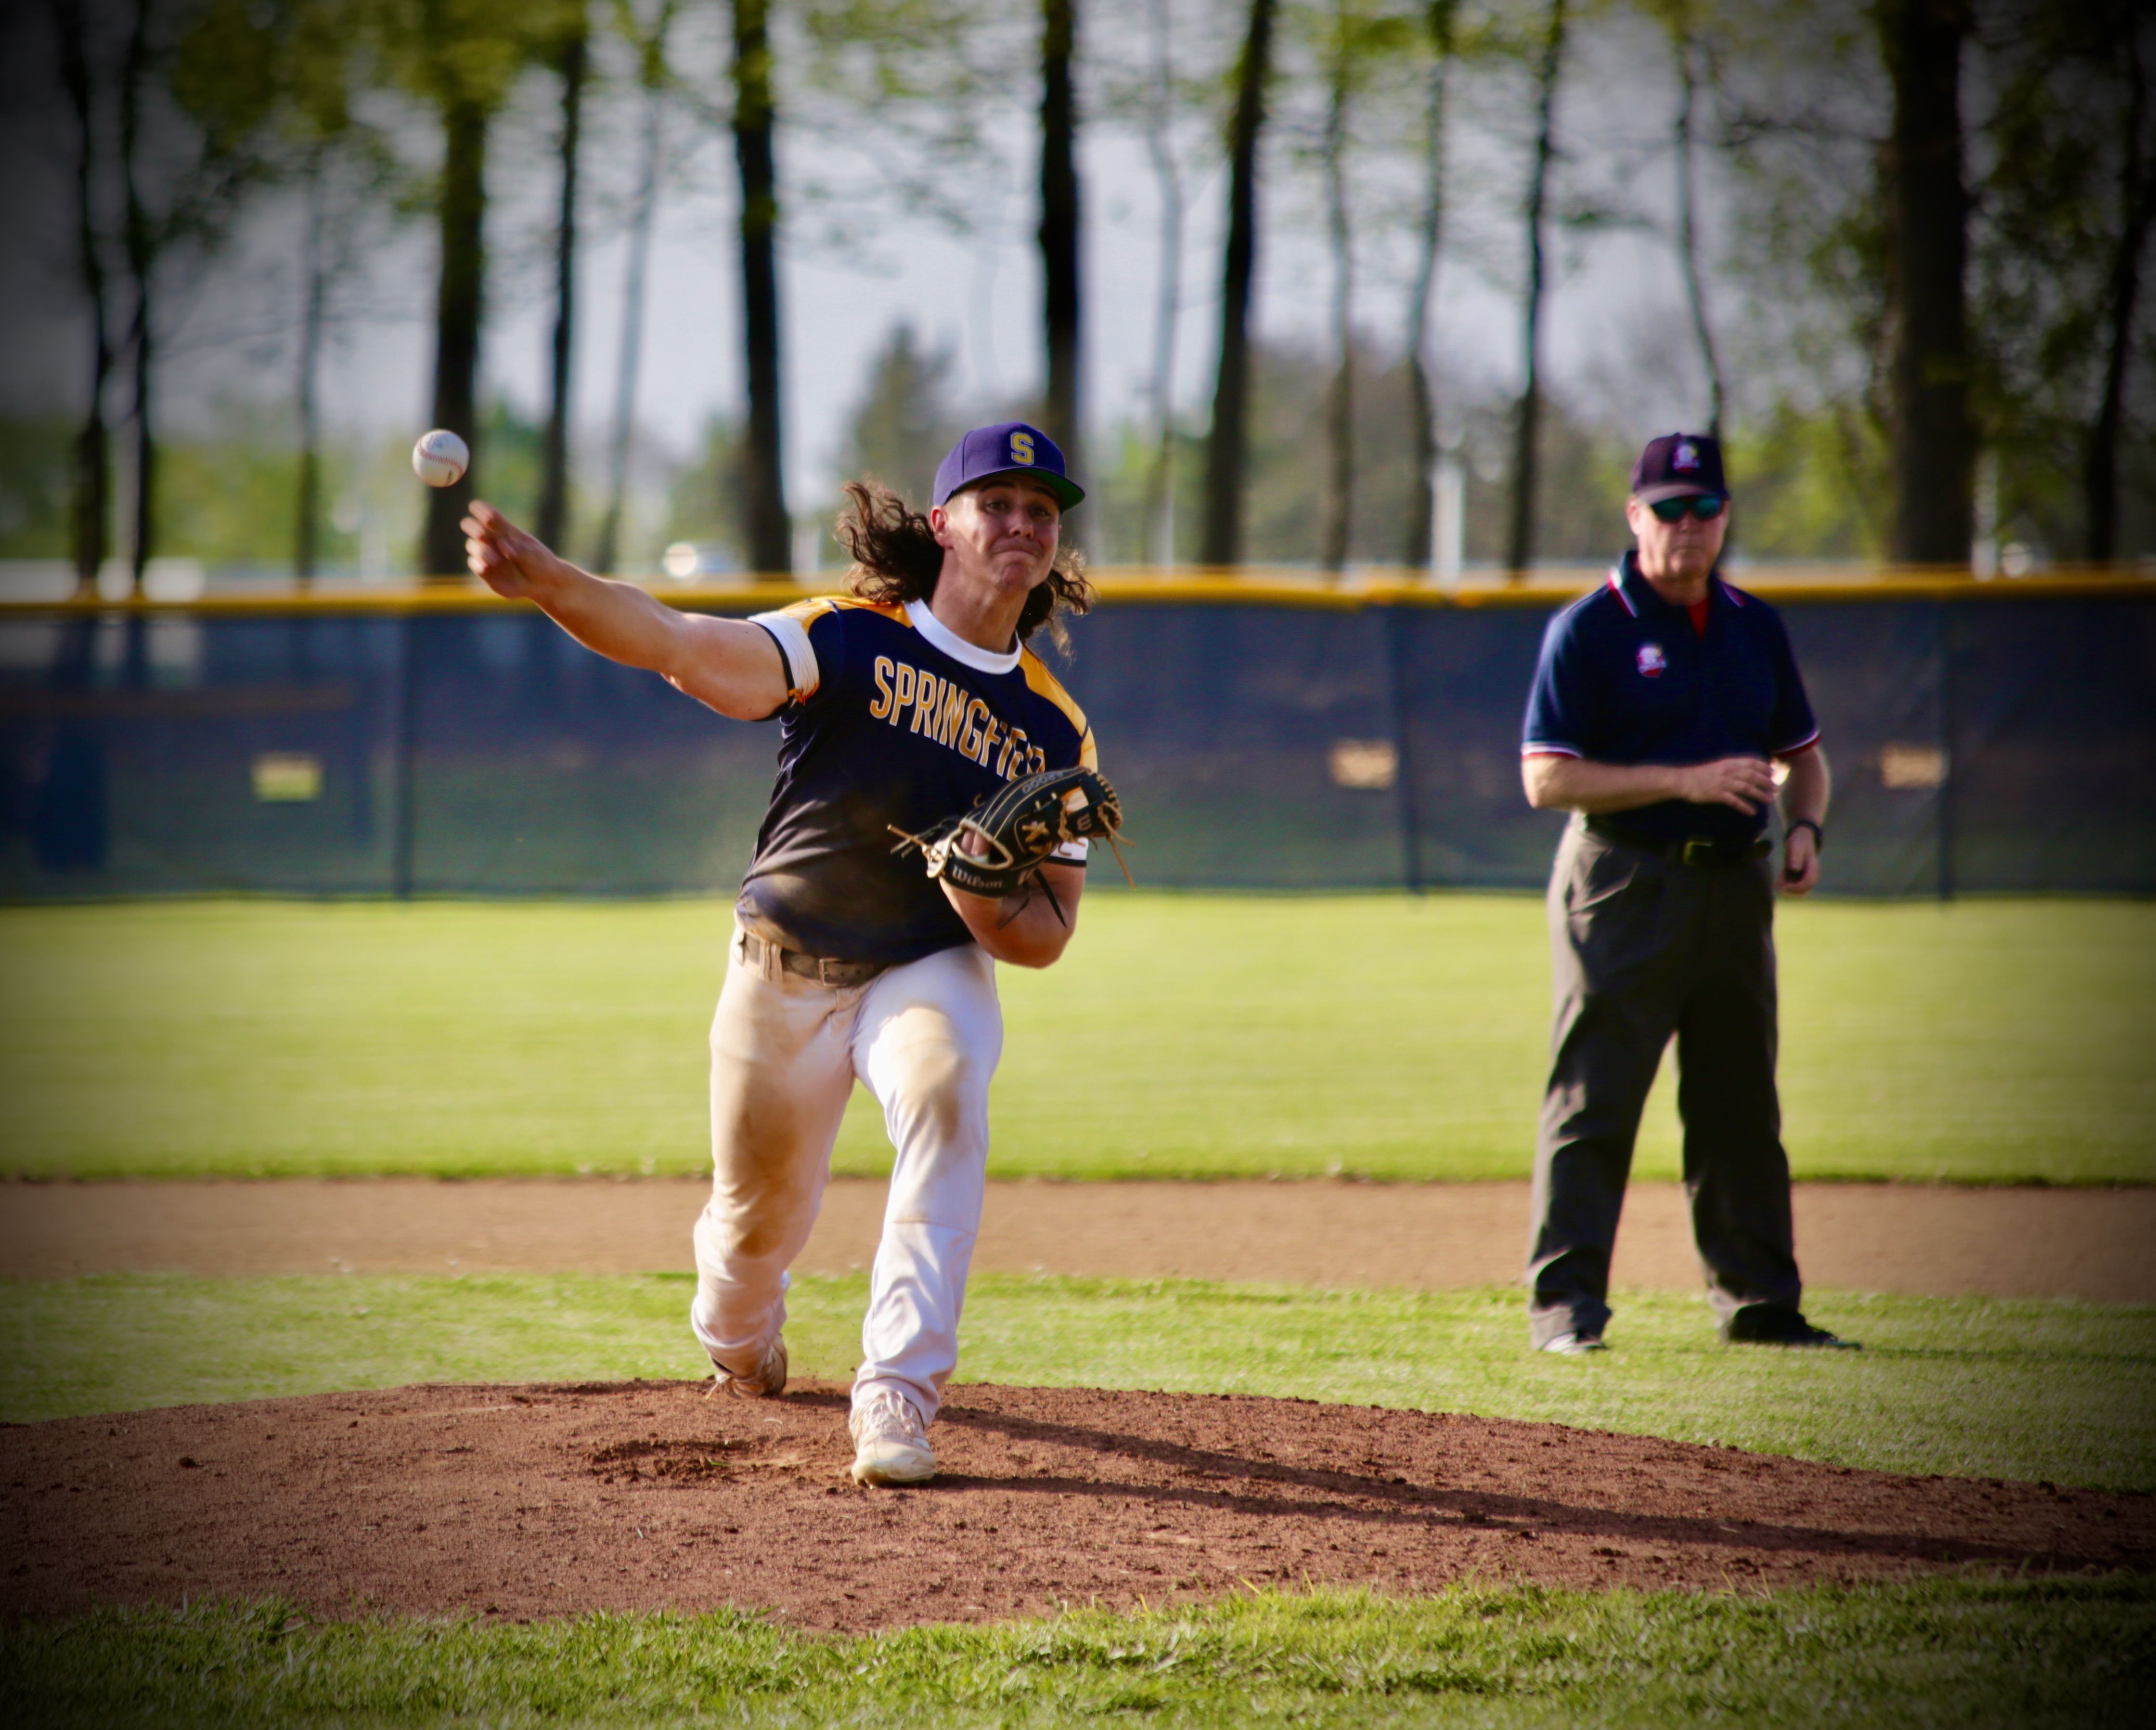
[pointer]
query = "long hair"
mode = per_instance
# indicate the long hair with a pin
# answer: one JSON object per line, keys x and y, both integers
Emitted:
{"x": 896, "y": 557}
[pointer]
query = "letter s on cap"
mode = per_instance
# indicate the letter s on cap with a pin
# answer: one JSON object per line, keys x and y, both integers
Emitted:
{"x": 1022, "y": 449}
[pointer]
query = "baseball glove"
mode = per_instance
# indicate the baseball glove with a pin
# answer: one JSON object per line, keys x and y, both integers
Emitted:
{"x": 1019, "y": 826}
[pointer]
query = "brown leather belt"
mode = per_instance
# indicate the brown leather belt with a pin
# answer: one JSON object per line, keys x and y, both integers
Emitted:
{"x": 820, "y": 968}
{"x": 1694, "y": 850}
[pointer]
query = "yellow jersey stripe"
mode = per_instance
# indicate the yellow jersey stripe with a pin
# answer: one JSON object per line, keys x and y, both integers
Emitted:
{"x": 1044, "y": 683}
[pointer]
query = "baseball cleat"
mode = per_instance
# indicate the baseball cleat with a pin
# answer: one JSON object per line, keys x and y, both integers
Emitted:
{"x": 1761, "y": 1325}
{"x": 890, "y": 1443}
{"x": 768, "y": 1378}
{"x": 1575, "y": 1345}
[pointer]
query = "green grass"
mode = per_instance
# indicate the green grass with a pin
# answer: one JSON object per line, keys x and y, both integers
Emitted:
{"x": 2030, "y": 1390}
{"x": 1183, "y": 1036}
{"x": 1936, "y": 1653}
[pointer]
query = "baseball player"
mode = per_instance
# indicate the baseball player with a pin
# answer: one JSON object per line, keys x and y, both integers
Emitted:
{"x": 1662, "y": 701}
{"x": 902, "y": 702}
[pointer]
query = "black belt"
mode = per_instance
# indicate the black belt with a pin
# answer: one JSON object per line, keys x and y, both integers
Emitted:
{"x": 820, "y": 968}
{"x": 1696, "y": 850}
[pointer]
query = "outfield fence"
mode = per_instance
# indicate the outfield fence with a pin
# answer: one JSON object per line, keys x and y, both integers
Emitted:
{"x": 1992, "y": 737}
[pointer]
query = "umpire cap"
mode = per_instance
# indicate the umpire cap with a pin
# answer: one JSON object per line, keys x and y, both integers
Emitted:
{"x": 1679, "y": 465}
{"x": 1010, "y": 447}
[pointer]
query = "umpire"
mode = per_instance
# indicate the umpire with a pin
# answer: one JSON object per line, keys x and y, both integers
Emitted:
{"x": 1662, "y": 703}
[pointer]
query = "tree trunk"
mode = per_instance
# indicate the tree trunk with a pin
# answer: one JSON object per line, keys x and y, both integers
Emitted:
{"x": 141, "y": 264}
{"x": 1222, "y": 542}
{"x": 1422, "y": 399}
{"x": 307, "y": 506}
{"x": 2137, "y": 191}
{"x": 764, "y": 488}
{"x": 1058, "y": 226}
{"x": 1340, "y": 397}
{"x": 632, "y": 336}
{"x": 1688, "y": 237}
{"x": 1931, "y": 436}
{"x": 458, "y": 306}
{"x": 551, "y": 520}
{"x": 93, "y": 455}
{"x": 1160, "y": 118}
{"x": 1520, "y": 547}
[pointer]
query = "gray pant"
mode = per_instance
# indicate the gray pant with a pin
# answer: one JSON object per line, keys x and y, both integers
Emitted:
{"x": 1643, "y": 948}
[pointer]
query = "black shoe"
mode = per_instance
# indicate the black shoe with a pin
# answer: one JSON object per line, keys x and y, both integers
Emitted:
{"x": 1760, "y": 1325}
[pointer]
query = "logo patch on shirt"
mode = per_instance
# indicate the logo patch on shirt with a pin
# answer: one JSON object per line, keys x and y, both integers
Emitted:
{"x": 1686, "y": 458}
{"x": 1651, "y": 660}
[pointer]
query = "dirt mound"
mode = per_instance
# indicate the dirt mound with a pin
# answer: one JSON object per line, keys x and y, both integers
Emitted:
{"x": 543, "y": 1501}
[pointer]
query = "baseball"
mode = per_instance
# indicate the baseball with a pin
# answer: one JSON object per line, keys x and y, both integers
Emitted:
{"x": 440, "y": 458}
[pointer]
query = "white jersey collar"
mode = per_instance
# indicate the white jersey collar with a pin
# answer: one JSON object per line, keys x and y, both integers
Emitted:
{"x": 956, "y": 646}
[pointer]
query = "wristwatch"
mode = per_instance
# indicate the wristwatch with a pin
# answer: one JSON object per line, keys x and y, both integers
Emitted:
{"x": 1819, "y": 835}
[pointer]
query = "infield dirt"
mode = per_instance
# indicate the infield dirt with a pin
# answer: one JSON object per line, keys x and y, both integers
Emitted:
{"x": 1933, "y": 1240}
{"x": 546, "y": 1500}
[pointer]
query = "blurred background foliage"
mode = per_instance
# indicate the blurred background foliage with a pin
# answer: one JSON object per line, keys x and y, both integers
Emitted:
{"x": 1398, "y": 136}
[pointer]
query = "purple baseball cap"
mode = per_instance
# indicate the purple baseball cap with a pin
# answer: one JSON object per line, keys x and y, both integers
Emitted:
{"x": 1679, "y": 465}
{"x": 1010, "y": 447}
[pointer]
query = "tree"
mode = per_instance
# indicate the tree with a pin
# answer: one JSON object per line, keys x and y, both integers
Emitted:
{"x": 196, "y": 93}
{"x": 1059, "y": 226}
{"x": 1519, "y": 543}
{"x": 1339, "y": 494}
{"x": 91, "y": 500}
{"x": 763, "y": 486}
{"x": 1438, "y": 24}
{"x": 1685, "y": 49}
{"x": 904, "y": 423}
{"x": 650, "y": 46}
{"x": 1227, "y": 447}
{"x": 2064, "y": 208}
{"x": 1358, "y": 42}
{"x": 571, "y": 52}
{"x": 1158, "y": 532}
{"x": 459, "y": 57}
{"x": 340, "y": 165}
{"x": 2136, "y": 208}
{"x": 1931, "y": 432}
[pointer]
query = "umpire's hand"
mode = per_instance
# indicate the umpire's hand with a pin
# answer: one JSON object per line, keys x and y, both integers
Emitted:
{"x": 1800, "y": 862}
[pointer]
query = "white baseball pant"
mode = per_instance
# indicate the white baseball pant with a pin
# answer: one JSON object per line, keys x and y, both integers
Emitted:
{"x": 924, "y": 1040}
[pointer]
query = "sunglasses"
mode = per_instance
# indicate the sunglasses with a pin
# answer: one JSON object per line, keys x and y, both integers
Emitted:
{"x": 1705, "y": 506}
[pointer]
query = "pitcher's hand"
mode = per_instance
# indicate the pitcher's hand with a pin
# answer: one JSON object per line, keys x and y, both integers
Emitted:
{"x": 504, "y": 556}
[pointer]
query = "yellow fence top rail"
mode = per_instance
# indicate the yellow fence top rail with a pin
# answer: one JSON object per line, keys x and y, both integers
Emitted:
{"x": 1120, "y": 584}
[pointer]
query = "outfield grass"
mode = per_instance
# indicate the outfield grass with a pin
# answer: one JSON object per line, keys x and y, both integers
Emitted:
{"x": 1183, "y": 1036}
{"x": 1937, "y": 1653}
{"x": 2031, "y": 1390}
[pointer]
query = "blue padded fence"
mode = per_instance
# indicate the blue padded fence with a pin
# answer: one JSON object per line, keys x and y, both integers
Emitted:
{"x": 1984, "y": 739}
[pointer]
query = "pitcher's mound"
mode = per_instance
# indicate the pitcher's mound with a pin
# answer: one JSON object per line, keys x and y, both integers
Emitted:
{"x": 546, "y": 1500}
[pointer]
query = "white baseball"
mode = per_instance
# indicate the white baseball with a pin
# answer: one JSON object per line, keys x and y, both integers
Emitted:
{"x": 440, "y": 458}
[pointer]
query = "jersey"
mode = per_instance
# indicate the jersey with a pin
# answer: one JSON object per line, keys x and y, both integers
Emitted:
{"x": 892, "y": 721}
{"x": 1626, "y": 677}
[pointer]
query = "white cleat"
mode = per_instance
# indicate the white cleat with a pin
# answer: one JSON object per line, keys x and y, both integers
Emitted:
{"x": 890, "y": 1443}
{"x": 769, "y": 1377}
{"x": 1575, "y": 1345}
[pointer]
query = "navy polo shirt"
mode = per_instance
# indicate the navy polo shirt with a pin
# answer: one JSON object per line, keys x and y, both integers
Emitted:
{"x": 1625, "y": 677}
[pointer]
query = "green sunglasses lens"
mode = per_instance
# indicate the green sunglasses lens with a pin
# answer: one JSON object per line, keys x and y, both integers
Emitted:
{"x": 1706, "y": 506}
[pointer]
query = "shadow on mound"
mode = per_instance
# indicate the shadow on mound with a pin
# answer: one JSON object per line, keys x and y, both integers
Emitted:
{"x": 545, "y": 1501}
